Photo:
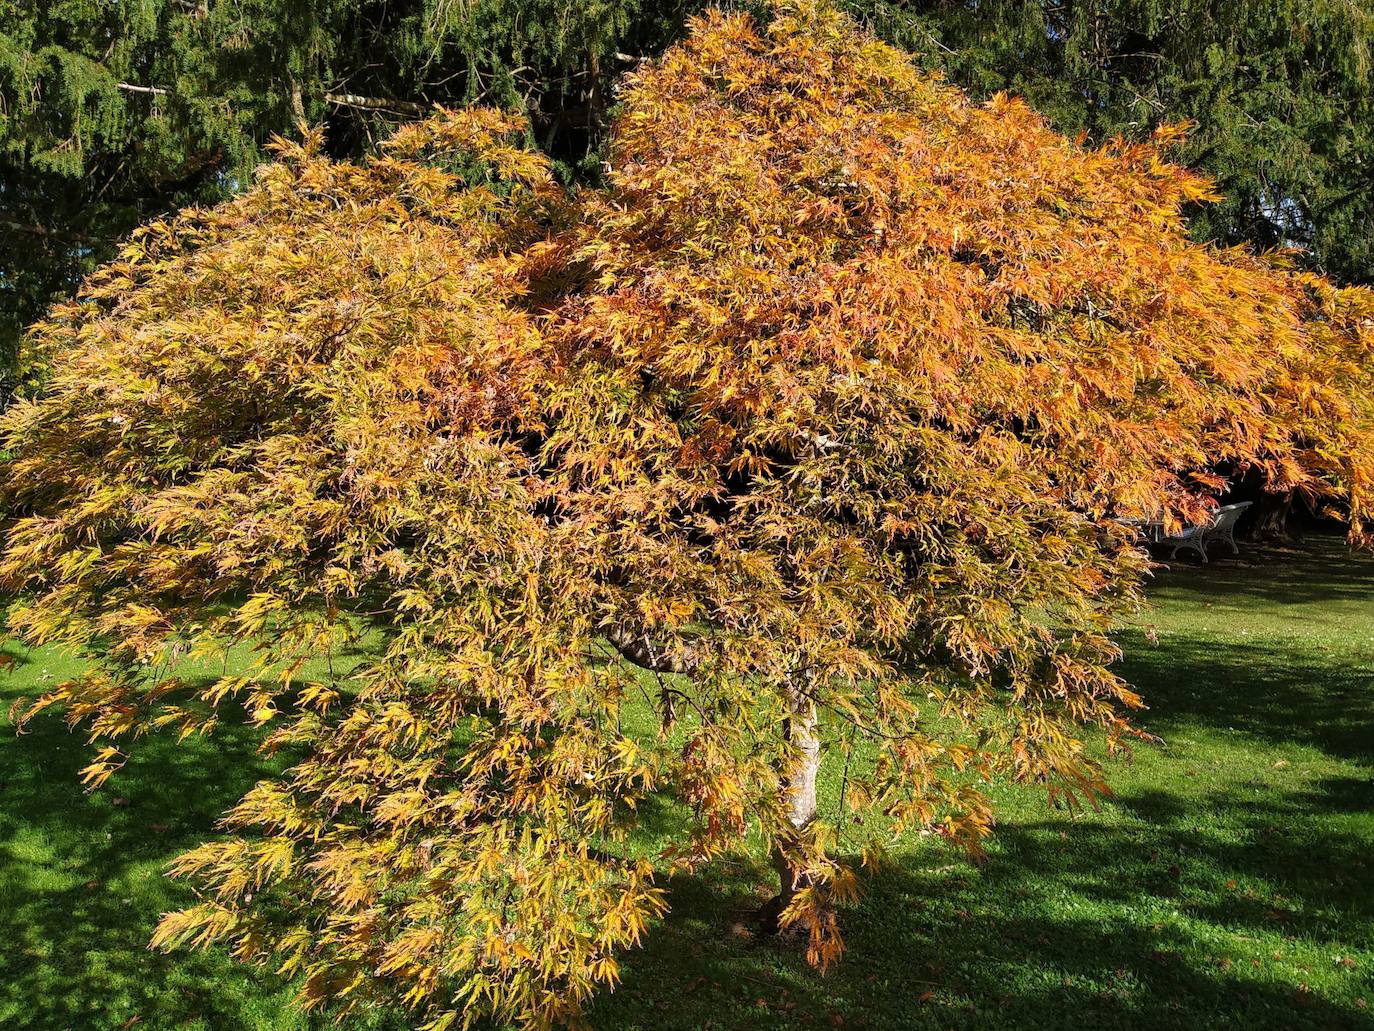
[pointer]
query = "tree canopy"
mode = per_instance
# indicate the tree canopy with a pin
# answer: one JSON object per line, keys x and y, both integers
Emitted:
{"x": 1279, "y": 91}
{"x": 814, "y": 423}
{"x": 118, "y": 112}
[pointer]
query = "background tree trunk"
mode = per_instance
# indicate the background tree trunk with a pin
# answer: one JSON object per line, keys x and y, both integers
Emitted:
{"x": 1271, "y": 520}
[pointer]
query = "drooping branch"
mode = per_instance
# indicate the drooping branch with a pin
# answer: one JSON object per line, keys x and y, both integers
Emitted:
{"x": 650, "y": 655}
{"x": 34, "y": 229}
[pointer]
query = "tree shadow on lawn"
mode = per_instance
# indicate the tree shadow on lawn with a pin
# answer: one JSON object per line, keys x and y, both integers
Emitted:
{"x": 1322, "y": 569}
{"x": 1137, "y": 919}
{"x": 1073, "y": 924}
{"x": 82, "y": 881}
{"x": 1191, "y": 909}
{"x": 1281, "y": 695}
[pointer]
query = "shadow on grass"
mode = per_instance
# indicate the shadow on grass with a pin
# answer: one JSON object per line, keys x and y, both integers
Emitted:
{"x": 1142, "y": 926}
{"x": 1185, "y": 905}
{"x": 82, "y": 882}
{"x": 1322, "y": 569}
{"x": 1280, "y": 695}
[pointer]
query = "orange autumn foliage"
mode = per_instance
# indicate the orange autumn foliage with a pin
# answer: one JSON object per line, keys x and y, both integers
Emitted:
{"x": 822, "y": 409}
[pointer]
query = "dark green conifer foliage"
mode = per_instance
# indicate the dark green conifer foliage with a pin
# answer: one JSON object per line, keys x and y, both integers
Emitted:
{"x": 113, "y": 111}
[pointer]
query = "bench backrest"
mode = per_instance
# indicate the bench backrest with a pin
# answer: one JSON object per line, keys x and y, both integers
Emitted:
{"x": 1228, "y": 515}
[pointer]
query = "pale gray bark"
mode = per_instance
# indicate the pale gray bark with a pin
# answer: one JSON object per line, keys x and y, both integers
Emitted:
{"x": 797, "y": 782}
{"x": 353, "y": 100}
{"x": 129, "y": 87}
{"x": 378, "y": 103}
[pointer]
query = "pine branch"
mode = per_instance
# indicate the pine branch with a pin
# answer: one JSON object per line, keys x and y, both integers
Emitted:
{"x": 129, "y": 87}
{"x": 34, "y": 229}
{"x": 377, "y": 103}
{"x": 338, "y": 99}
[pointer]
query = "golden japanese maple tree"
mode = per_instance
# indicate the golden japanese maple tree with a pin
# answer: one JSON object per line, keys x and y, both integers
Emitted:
{"x": 811, "y": 431}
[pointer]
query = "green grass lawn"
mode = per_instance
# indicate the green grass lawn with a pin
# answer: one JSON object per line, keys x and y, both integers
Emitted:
{"x": 1230, "y": 882}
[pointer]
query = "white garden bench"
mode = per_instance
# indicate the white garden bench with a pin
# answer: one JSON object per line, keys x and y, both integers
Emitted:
{"x": 1197, "y": 538}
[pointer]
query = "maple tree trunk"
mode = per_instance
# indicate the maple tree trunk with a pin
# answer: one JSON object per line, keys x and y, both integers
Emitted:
{"x": 797, "y": 782}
